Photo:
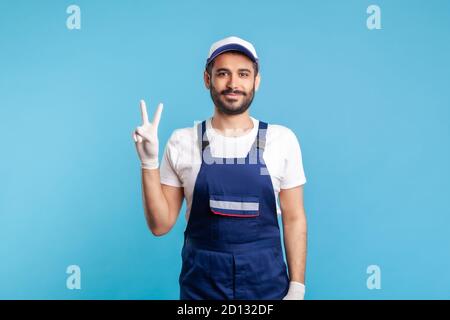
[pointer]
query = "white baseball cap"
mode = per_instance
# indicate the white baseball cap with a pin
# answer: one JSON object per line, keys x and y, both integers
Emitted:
{"x": 232, "y": 44}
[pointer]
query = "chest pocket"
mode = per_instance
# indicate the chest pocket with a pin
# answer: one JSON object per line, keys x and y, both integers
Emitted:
{"x": 234, "y": 206}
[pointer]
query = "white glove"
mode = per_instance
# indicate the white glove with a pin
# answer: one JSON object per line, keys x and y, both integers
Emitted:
{"x": 296, "y": 291}
{"x": 146, "y": 138}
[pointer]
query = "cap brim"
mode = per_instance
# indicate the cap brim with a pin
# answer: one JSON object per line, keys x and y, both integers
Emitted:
{"x": 231, "y": 47}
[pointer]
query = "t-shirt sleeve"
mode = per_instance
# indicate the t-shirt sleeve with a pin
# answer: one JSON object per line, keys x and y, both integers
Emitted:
{"x": 293, "y": 173}
{"x": 167, "y": 170}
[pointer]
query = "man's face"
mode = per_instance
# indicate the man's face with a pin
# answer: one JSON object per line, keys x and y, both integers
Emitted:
{"x": 232, "y": 83}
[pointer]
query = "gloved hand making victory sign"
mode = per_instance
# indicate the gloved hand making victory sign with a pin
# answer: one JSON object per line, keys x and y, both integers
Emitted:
{"x": 146, "y": 138}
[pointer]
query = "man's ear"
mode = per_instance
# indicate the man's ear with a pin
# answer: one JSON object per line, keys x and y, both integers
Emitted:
{"x": 207, "y": 79}
{"x": 257, "y": 81}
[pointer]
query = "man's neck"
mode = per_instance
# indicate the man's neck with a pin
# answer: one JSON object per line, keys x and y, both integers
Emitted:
{"x": 232, "y": 125}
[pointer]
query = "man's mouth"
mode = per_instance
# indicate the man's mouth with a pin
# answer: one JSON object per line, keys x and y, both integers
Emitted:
{"x": 234, "y": 96}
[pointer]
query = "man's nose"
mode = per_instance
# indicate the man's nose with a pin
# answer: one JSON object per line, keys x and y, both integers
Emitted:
{"x": 232, "y": 83}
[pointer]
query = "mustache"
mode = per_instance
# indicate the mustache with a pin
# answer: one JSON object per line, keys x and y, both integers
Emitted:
{"x": 233, "y": 91}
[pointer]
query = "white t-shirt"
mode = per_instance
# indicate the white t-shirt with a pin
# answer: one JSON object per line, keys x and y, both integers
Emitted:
{"x": 182, "y": 156}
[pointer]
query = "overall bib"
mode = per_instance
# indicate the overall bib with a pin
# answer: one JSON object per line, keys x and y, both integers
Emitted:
{"x": 232, "y": 247}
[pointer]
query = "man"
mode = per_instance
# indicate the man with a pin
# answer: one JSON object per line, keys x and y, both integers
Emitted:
{"x": 231, "y": 169}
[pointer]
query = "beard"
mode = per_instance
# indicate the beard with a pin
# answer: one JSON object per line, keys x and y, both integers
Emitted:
{"x": 232, "y": 107}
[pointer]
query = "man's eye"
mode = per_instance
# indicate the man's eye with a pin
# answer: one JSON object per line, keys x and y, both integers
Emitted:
{"x": 243, "y": 74}
{"x": 221, "y": 74}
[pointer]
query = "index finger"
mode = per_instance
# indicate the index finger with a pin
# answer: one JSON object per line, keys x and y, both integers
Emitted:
{"x": 144, "y": 112}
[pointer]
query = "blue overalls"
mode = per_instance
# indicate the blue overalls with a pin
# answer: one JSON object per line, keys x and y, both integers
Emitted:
{"x": 232, "y": 247}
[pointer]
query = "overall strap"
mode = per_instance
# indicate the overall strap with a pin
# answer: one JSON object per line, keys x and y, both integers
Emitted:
{"x": 205, "y": 141}
{"x": 202, "y": 138}
{"x": 260, "y": 141}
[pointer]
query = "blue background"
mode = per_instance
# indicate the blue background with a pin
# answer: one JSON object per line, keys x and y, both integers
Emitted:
{"x": 370, "y": 109}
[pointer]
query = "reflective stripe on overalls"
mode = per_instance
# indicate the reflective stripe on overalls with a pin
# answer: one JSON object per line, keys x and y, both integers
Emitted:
{"x": 232, "y": 247}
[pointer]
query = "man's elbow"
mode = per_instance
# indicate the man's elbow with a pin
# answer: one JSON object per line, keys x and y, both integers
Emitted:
{"x": 295, "y": 217}
{"x": 159, "y": 231}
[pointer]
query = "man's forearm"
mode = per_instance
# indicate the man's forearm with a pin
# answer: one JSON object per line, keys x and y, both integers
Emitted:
{"x": 295, "y": 240}
{"x": 155, "y": 204}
